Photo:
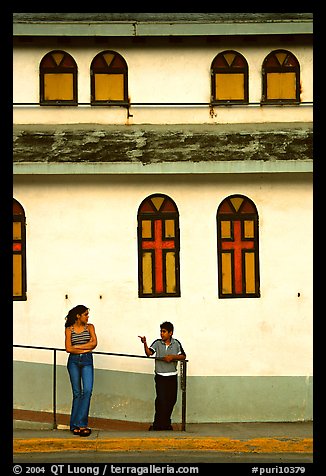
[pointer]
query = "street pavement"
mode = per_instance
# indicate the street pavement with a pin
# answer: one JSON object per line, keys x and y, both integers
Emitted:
{"x": 201, "y": 443}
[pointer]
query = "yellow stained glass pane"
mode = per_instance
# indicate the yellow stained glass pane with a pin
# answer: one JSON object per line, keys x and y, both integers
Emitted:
{"x": 281, "y": 56}
{"x": 17, "y": 230}
{"x": 226, "y": 273}
{"x": 157, "y": 201}
{"x": 225, "y": 229}
{"x": 109, "y": 87}
{"x": 236, "y": 202}
{"x": 281, "y": 85}
{"x": 169, "y": 229}
{"x": 57, "y": 57}
{"x": 248, "y": 229}
{"x": 146, "y": 229}
{"x": 108, "y": 58}
{"x": 17, "y": 275}
{"x": 229, "y": 87}
{"x": 147, "y": 273}
{"x": 58, "y": 86}
{"x": 229, "y": 57}
{"x": 250, "y": 272}
{"x": 170, "y": 272}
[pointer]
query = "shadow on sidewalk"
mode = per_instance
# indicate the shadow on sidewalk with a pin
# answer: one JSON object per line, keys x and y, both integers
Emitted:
{"x": 96, "y": 423}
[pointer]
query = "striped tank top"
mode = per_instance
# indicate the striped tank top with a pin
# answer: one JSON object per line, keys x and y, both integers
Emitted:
{"x": 78, "y": 338}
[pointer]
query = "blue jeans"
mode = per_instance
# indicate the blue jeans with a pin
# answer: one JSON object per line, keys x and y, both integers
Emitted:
{"x": 81, "y": 373}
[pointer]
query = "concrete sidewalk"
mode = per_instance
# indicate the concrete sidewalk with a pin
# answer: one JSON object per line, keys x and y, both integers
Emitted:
{"x": 108, "y": 435}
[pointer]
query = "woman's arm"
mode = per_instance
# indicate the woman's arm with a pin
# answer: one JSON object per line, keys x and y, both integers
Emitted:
{"x": 69, "y": 348}
{"x": 91, "y": 344}
{"x": 82, "y": 348}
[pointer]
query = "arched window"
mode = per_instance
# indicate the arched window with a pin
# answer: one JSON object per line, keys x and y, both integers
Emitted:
{"x": 158, "y": 247}
{"x": 19, "y": 252}
{"x": 58, "y": 79}
{"x": 237, "y": 246}
{"x": 229, "y": 73}
{"x": 281, "y": 77}
{"x": 109, "y": 78}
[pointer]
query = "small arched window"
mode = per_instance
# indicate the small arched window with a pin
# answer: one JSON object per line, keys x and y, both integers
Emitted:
{"x": 229, "y": 73}
{"x": 58, "y": 79}
{"x": 109, "y": 78}
{"x": 158, "y": 247}
{"x": 19, "y": 252}
{"x": 281, "y": 78}
{"x": 237, "y": 246}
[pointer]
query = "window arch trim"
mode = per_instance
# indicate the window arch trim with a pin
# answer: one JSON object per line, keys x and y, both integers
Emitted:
{"x": 238, "y": 248}
{"x": 277, "y": 63}
{"x": 111, "y": 64}
{"x": 19, "y": 252}
{"x": 58, "y": 79}
{"x": 158, "y": 247}
{"x": 229, "y": 69}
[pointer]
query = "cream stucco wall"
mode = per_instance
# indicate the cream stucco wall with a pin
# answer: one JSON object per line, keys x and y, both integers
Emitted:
{"x": 160, "y": 71}
{"x": 82, "y": 242}
{"x": 249, "y": 359}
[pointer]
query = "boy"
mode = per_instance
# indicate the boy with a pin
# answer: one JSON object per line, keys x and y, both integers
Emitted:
{"x": 168, "y": 350}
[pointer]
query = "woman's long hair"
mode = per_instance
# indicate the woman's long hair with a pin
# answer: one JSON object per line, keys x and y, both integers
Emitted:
{"x": 71, "y": 317}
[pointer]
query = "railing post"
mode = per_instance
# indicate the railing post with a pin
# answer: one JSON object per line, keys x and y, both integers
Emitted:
{"x": 183, "y": 378}
{"x": 54, "y": 389}
{"x": 183, "y": 382}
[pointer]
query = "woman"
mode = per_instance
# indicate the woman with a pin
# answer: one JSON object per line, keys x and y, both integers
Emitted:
{"x": 80, "y": 341}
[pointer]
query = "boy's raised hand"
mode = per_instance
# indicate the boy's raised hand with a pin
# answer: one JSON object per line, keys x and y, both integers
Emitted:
{"x": 143, "y": 339}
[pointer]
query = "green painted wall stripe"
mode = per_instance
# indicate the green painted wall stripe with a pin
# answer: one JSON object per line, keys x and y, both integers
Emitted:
{"x": 227, "y": 167}
{"x": 130, "y": 396}
{"x": 160, "y": 28}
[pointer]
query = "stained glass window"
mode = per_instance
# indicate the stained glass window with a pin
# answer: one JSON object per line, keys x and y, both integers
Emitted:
{"x": 229, "y": 72}
{"x": 109, "y": 78}
{"x": 158, "y": 247}
{"x": 19, "y": 252}
{"x": 281, "y": 77}
{"x": 237, "y": 246}
{"x": 58, "y": 79}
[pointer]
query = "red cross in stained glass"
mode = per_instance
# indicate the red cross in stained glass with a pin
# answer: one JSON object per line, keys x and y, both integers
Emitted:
{"x": 158, "y": 245}
{"x": 237, "y": 245}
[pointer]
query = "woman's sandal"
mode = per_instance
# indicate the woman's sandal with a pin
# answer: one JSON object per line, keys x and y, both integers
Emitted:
{"x": 85, "y": 431}
{"x": 76, "y": 431}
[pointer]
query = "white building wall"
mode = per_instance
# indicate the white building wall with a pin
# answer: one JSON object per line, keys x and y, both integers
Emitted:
{"x": 160, "y": 71}
{"x": 82, "y": 242}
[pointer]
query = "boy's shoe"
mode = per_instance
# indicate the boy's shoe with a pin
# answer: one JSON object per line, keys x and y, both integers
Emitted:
{"x": 160, "y": 428}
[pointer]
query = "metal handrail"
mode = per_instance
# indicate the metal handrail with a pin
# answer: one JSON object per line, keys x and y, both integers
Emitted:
{"x": 178, "y": 104}
{"x": 183, "y": 377}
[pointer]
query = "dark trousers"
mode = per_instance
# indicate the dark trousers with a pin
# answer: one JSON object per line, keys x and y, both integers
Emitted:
{"x": 166, "y": 397}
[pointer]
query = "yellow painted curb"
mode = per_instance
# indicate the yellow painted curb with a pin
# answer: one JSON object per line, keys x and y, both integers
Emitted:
{"x": 256, "y": 445}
